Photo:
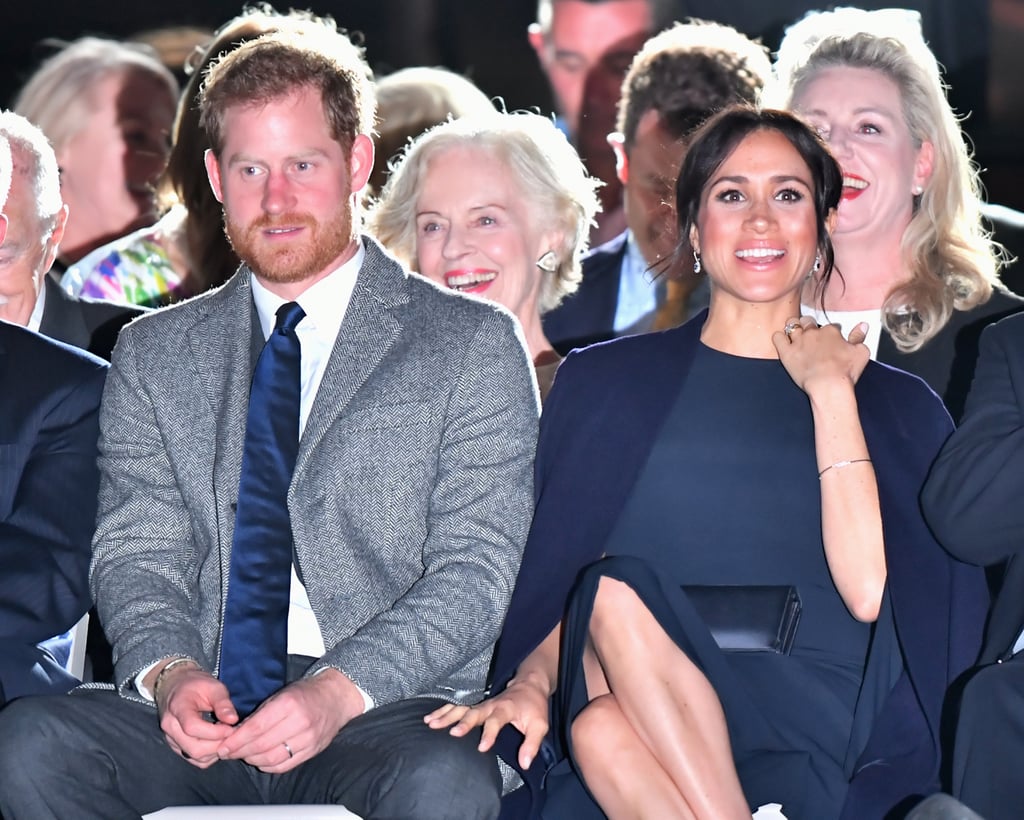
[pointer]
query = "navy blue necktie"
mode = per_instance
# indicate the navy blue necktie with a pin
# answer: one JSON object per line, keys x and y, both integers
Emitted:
{"x": 254, "y": 643}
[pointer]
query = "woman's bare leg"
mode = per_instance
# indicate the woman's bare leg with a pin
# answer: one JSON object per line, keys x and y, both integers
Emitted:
{"x": 627, "y": 780}
{"x": 666, "y": 700}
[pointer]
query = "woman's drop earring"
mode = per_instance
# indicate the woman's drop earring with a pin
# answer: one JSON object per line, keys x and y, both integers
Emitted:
{"x": 696, "y": 261}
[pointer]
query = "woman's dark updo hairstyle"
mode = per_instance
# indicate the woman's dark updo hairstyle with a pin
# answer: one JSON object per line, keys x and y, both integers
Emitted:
{"x": 714, "y": 141}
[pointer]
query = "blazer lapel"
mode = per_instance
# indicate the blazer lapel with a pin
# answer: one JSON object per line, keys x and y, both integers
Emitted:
{"x": 62, "y": 317}
{"x": 221, "y": 345}
{"x": 367, "y": 332}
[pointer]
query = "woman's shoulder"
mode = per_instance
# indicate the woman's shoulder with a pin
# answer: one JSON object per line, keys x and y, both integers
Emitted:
{"x": 901, "y": 407}
{"x": 885, "y": 379}
{"x": 631, "y": 356}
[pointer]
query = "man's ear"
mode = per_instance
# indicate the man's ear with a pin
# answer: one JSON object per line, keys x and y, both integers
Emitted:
{"x": 60, "y": 221}
{"x": 360, "y": 162}
{"x": 536, "y": 37}
{"x": 213, "y": 172}
{"x": 618, "y": 143}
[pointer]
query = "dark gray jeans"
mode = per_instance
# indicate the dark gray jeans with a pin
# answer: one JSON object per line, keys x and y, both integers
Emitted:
{"x": 92, "y": 754}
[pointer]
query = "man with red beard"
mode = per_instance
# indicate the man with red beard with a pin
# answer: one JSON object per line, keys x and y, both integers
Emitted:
{"x": 316, "y": 487}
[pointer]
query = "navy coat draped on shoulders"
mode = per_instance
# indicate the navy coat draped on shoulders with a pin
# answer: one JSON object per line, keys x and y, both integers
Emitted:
{"x": 604, "y": 412}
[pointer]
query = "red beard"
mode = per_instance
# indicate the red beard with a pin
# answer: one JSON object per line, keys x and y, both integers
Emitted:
{"x": 291, "y": 260}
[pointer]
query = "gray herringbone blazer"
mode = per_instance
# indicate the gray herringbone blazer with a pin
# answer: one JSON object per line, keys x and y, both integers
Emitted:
{"x": 411, "y": 498}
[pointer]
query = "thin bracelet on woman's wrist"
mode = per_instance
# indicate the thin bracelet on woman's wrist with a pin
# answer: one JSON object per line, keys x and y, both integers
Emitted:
{"x": 838, "y": 465}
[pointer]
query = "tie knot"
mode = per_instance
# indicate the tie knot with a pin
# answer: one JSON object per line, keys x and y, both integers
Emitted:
{"x": 288, "y": 316}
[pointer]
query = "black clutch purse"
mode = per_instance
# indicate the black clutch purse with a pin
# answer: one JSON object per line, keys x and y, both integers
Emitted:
{"x": 748, "y": 618}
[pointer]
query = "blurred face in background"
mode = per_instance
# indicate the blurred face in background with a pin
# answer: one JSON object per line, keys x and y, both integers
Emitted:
{"x": 586, "y": 53}
{"x": 111, "y": 163}
{"x": 648, "y": 170}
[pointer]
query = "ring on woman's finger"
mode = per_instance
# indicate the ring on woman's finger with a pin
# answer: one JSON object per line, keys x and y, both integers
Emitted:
{"x": 288, "y": 749}
{"x": 790, "y": 327}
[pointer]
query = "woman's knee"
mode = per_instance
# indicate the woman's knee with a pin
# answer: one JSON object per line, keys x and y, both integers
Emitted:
{"x": 596, "y": 733}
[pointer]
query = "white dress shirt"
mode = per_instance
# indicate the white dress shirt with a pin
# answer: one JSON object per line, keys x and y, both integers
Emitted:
{"x": 36, "y": 319}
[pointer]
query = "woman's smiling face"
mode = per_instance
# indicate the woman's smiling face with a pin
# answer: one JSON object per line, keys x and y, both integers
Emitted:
{"x": 859, "y": 112}
{"x": 475, "y": 231}
{"x": 757, "y": 229}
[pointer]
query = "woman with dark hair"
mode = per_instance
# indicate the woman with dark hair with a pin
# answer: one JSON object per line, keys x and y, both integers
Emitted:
{"x": 749, "y": 462}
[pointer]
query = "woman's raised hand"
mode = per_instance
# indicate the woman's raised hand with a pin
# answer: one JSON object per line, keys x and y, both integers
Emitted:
{"x": 816, "y": 356}
{"x": 523, "y": 704}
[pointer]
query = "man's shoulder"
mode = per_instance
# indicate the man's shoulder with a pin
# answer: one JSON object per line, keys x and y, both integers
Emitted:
{"x": 606, "y": 257}
{"x": 1008, "y": 330}
{"x": 45, "y": 358}
{"x": 635, "y": 360}
{"x": 101, "y": 311}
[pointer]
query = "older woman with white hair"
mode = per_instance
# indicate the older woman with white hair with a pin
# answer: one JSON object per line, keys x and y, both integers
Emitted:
{"x": 107, "y": 109}
{"x": 912, "y": 257}
{"x": 498, "y": 206}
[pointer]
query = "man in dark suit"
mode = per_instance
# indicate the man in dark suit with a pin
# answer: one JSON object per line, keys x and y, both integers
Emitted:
{"x": 49, "y": 403}
{"x": 396, "y": 423}
{"x": 29, "y": 295}
{"x": 49, "y": 410}
{"x": 973, "y": 502}
{"x": 637, "y": 281}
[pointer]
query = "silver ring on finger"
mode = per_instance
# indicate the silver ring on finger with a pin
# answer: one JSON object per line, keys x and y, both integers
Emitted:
{"x": 790, "y": 327}
{"x": 288, "y": 749}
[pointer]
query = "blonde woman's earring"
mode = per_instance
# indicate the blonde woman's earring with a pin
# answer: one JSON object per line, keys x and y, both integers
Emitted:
{"x": 548, "y": 262}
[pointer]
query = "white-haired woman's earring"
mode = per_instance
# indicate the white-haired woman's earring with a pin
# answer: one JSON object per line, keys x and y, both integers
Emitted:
{"x": 548, "y": 262}
{"x": 918, "y": 190}
{"x": 696, "y": 261}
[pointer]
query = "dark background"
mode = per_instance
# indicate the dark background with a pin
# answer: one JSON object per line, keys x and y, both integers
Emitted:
{"x": 980, "y": 42}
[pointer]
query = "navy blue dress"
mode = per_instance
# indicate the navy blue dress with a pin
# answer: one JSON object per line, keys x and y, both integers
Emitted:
{"x": 730, "y": 495}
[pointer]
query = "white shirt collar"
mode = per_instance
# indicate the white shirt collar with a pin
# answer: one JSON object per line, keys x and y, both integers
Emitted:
{"x": 36, "y": 319}
{"x": 324, "y": 302}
